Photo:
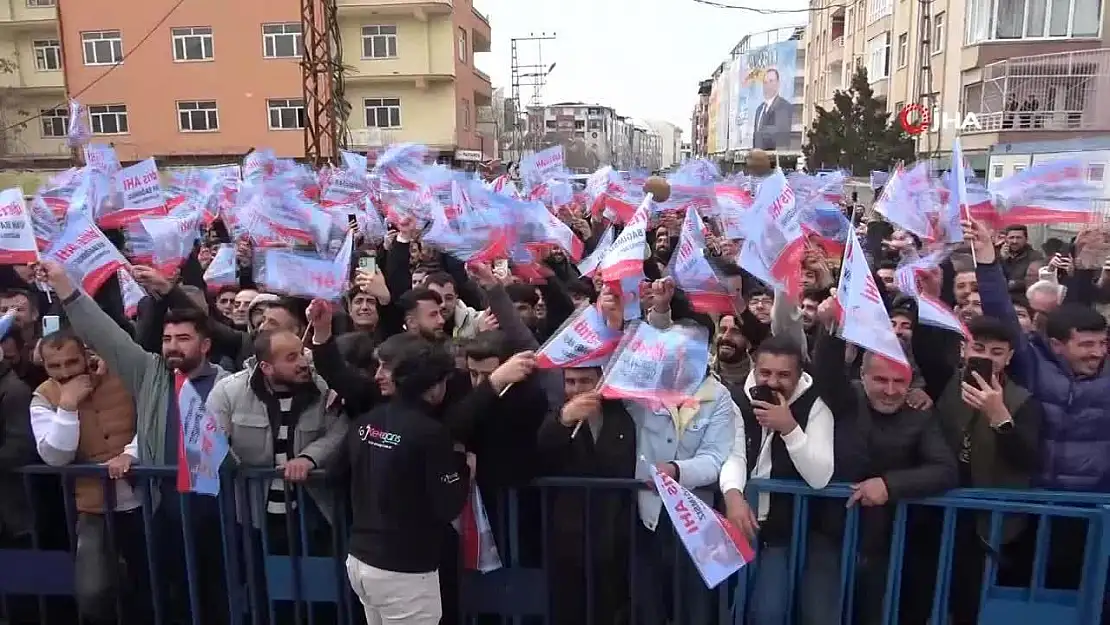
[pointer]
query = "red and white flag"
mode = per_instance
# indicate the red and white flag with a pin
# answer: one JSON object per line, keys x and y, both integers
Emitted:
{"x": 17, "y": 233}
{"x": 717, "y": 548}
{"x": 584, "y": 340}
{"x": 625, "y": 258}
{"x": 863, "y": 317}
{"x": 479, "y": 550}
{"x": 88, "y": 256}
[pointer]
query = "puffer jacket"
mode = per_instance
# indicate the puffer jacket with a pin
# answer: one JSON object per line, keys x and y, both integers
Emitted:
{"x": 1075, "y": 433}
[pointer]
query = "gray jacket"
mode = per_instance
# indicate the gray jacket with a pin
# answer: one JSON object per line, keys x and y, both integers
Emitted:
{"x": 243, "y": 415}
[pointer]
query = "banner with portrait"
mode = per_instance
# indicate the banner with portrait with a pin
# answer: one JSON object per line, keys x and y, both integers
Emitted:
{"x": 763, "y": 107}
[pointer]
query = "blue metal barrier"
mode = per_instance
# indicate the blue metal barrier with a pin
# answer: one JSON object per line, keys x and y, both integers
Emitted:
{"x": 290, "y": 568}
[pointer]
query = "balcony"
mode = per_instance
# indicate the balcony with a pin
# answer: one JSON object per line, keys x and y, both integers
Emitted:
{"x": 364, "y": 138}
{"x": 836, "y": 51}
{"x": 420, "y": 9}
{"x": 1042, "y": 97}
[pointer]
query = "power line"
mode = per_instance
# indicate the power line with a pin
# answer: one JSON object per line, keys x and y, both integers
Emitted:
{"x": 104, "y": 75}
{"x": 721, "y": 5}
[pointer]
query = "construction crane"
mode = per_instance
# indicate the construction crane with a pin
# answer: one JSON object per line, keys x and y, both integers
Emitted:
{"x": 325, "y": 105}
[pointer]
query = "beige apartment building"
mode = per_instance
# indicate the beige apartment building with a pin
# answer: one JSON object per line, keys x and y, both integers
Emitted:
{"x": 1027, "y": 70}
{"x": 216, "y": 79}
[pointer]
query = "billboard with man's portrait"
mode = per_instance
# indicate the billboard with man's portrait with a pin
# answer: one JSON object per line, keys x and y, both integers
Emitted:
{"x": 763, "y": 109}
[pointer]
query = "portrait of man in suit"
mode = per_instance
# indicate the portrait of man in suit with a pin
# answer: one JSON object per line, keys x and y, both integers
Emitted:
{"x": 773, "y": 116}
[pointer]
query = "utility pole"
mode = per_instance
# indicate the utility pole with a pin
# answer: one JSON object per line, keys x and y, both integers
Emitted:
{"x": 325, "y": 108}
{"x": 526, "y": 75}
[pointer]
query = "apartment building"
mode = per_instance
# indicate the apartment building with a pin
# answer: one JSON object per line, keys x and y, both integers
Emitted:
{"x": 757, "y": 94}
{"x": 593, "y": 136}
{"x": 1026, "y": 70}
{"x": 413, "y": 76}
{"x": 699, "y": 120}
{"x": 32, "y": 81}
{"x": 670, "y": 142}
{"x": 214, "y": 80}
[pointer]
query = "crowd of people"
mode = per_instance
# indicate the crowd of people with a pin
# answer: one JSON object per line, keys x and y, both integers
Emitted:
{"x": 424, "y": 381}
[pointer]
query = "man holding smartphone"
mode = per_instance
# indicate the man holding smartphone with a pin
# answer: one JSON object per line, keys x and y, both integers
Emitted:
{"x": 993, "y": 425}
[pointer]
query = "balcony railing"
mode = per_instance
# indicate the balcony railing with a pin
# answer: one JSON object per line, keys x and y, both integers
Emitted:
{"x": 1060, "y": 91}
{"x": 371, "y": 137}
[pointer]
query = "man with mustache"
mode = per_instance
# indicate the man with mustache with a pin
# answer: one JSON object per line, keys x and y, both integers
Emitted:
{"x": 732, "y": 363}
{"x": 150, "y": 379}
{"x": 84, "y": 414}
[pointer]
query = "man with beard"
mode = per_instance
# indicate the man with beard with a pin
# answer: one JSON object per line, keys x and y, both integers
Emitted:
{"x": 277, "y": 414}
{"x": 423, "y": 313}
{"x": 84, "y": 414}
{"x": 732, "y": 363}
{"x": 786, "y": 433}
{"x": 150, "y": 379}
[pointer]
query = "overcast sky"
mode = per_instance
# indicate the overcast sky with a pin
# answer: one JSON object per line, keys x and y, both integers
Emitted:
{"x": 642, "y": 57}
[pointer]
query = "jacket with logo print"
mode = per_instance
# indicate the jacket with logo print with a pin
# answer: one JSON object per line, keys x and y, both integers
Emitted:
{"x": 407, "y": 485}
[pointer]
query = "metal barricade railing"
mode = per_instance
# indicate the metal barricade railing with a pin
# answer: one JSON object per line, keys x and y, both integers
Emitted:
{"x": 208, "y": 560}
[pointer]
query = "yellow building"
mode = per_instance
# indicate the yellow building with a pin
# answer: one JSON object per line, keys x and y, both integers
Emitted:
{"x": 32, "y": 80}
{"x": 412, "y": 75}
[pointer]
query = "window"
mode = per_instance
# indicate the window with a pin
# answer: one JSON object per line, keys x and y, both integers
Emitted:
{"x": 1096, "y": 172}
{"x": 104, "y": 47}
{"x": 286, "y": 114}
{"x": 379, "y": 42}
{"x": 1019, "y": 168}
{"x": 903, "y": 49}
{"x": 462, "y": 44}
{"x": 55, "y": 122}
{"x": 938, "y": 33}
{"x": 192, "y": 44}
{"x": 383, "y": 112}
{"x": 1031, "y": 19}
{"x": 997, "y": 171}
{"x": 848, "y": 20}
{"x": 48, "y": 55}
{"x": 281, "y": 41}
{"x": 198, "y": 116}
{"x": 550, "y": 124}
{"x": 878, "y": 58}
{"x": 38, "y": 4}
{"x": 110, "y": 119}
{"x": 466, "y": 114}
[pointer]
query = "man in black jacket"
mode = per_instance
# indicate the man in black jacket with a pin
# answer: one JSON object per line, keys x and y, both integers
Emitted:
{"x": 905, "y": 457}
{"x": 408, "y": 483}
{"x": 594, "y": 438}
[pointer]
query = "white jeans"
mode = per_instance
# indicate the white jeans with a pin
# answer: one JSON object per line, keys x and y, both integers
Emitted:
{"x": 397, "y": 598}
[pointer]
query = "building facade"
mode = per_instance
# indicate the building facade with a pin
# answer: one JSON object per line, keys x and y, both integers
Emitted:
{"x": 1027, "y": 70}
{"x": 214, "y": 82}
{"x": 756, "y": 97}
{"x": 699, "y": 121}
{"x": 593, "y": 136}
{"x": 670, "y": 142}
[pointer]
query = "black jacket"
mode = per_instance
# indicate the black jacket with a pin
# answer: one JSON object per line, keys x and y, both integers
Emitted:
{"x": 407, "y": 484}
{"x": 17, "y": 448}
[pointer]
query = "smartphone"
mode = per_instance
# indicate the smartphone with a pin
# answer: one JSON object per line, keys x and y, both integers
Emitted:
{"x": 369, "y": 264}
{"x": 764, "y": 393}
{"x": 983, "y": 366}
{"x": 51, "y": 324}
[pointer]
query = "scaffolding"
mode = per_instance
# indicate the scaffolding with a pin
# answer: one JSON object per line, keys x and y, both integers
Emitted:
{"x": 923, "y": 79}
{"x": 1047, "y": 92}
{"x": 532, "y": 74}
{"x": 325, "y": 105}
